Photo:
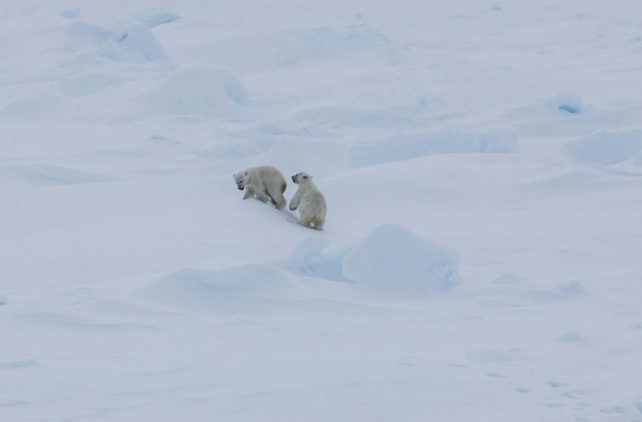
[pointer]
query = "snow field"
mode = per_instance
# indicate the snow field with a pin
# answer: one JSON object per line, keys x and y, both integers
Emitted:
{"x": 480, "y": 261}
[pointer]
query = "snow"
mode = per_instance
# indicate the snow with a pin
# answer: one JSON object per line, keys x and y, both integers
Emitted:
{"x": 480, "y": 260}
{"x": 456, "y": 140}
{"x": 393, "y": 261}
{"x": 607, "y": 148}
{"x": 199, "y": 91}
{"x": 136, "y": 43}
{"x": 155, "y": 17}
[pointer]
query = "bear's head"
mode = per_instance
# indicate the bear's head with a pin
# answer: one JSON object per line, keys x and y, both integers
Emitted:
{"x": 241, "y": 179}
{"x": 301, "y": 178}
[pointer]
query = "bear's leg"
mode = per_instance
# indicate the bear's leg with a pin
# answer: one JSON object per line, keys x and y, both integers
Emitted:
{"x": 249, "y": 192}
{"x": 318, "y": 223}
{"x": 263, "y": 197}
{"x": 277, "y": 197}
{"x": 306, "y": 221}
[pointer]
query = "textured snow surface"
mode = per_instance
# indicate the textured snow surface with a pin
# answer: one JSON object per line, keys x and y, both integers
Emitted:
{"x": 481, "y": 258}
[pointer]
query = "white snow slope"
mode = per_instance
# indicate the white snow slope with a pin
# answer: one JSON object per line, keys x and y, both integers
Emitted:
{"x": 482, "y": 256}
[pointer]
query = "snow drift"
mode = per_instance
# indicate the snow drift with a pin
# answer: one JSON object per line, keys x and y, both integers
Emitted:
{"x": 606, "y": 147}
{"x": 199, "y": 90}
{"x": 136, "y": 43}
{"x": 249, "y": 287}
{"x": 405, "y": 147}
{"x": 392, "y": 260}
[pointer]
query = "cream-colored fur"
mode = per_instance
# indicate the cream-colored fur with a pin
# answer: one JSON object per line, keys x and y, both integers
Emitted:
{"x": 265, "y": 183}
{"x": 310, "y": 202}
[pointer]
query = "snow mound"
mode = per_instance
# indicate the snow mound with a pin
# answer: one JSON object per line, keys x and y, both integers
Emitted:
{"x": 323, "y": 43}
{"x": 572, "y": 289}
{"x": 392, "y": 260}
{"x": 309, "y": 260}
{"x": 606, "y": 148}
{"x": 155, "y": 17}
{"x": 199, "y": 90}
{"x": 44, "y": 175}
{"x": 244, "y": 287}
{"x": 451, "y": 141}
{"x": 87, "y": 33}
{"x": 136, "y": 44}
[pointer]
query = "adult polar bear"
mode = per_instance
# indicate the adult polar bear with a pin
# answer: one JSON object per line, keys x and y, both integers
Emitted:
{"x": 310, "y": 202}
{"x": 265, "y": 183}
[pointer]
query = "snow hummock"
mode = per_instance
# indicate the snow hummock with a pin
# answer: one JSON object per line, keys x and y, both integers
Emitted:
{"x": 84, "y": 32}
{"x": 136, "y": 43}
{"x": 450, "y": 141}
{"x": 392, "y": 260}
{"x": 309, "y": 259}
{"x": 572, "y": 289}
{"x": 199, "y": 90}
{"x": 245, "y": 287}
{"x": 606, "y": 147}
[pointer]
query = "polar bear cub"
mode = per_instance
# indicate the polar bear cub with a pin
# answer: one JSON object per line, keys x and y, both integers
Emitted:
{"x": 310, "y": 202}
{"x": 265, "y": 183}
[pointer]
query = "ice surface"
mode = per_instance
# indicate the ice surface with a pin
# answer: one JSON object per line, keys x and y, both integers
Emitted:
{"x": 392, "y": 260}
{"x": 568, "y": 103}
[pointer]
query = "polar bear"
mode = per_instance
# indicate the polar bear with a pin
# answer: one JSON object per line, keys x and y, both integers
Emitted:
{"x": 310, "y": 202}
{"x": 265, "y": 183}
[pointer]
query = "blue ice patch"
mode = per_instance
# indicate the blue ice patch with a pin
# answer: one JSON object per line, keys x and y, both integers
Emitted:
{"x": 570, "y": 108}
